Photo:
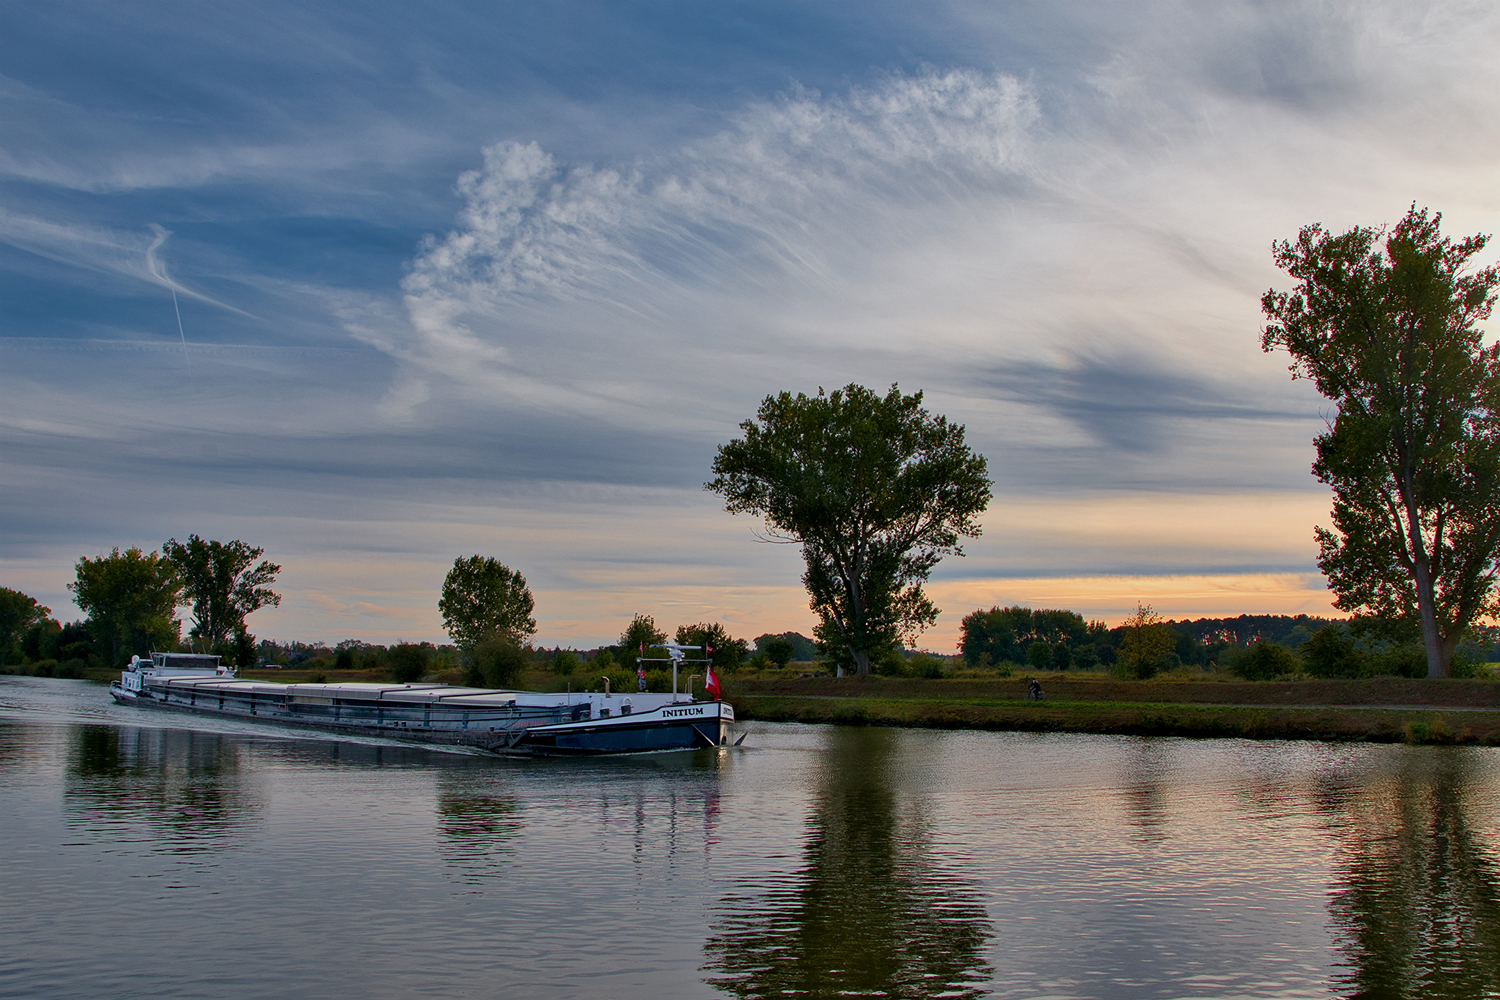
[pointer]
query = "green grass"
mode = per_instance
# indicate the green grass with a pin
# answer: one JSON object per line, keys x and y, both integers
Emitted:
{"x": 1376, "y": 709}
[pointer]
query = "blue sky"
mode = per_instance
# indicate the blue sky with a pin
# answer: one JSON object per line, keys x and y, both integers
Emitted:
{"x": 497, "y": 278}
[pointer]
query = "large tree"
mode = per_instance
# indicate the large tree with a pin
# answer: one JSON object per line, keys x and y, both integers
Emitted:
{"x": 222, "y": 584}
{"x": 874, "y": 488}
{"x": 130, "y": 598}
{"x": 1384, "y": 321}
{"x": 18, "y": 613}
{"x": 482, "y": 597}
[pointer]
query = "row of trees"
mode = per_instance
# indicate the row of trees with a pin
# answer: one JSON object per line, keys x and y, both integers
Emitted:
{"x": 1257, "y": 647}
{"x": 130, "y": 601}
{"x": 1384, "y": 321}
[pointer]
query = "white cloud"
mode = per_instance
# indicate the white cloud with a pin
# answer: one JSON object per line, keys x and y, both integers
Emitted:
{"x": 99, "y": 249}
{"x": 589, "y": 283}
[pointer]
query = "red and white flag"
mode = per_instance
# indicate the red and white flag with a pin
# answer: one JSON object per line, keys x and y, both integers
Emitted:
{"x": 711, "y": 682}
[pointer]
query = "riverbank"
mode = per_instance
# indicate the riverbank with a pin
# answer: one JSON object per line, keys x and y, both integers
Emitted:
{"x": 1385, "y": 709}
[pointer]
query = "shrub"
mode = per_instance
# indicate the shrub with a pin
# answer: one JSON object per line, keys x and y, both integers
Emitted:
{"x": 1465, "y": 668}
{"x": 922, "y": 665}
{"x": 1039, "y": 655}
{"x": 565, "y": 662}
{"x": 408, "y": 662}
{"x": 1331, "y": 652}
{"x": 1266, "y": 661}
{"x": 1407, "y": 660}
{"x": 499, "y": 659}
{"x": 779, "y": 650}
{"x": 344, "y": 660}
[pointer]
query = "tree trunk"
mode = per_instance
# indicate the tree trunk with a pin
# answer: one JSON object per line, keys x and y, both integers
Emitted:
{"x": 1437, "y": 663}
{"x": 862, "y": 661}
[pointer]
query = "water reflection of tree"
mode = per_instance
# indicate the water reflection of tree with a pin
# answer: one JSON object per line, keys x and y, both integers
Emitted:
{"x": 180, "y": 784}
{"x": 1146, "y": 766}
{"x": 1418, "y": 910}
{"x": 478, "y": 822}
{"x": 867, "y": 914}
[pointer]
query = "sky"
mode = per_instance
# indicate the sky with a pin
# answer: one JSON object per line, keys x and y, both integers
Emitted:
{"x": 374, "y": 286}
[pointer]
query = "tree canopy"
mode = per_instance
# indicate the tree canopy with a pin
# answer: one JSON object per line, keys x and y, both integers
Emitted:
{"x": 18, "y": 613}
{"x": 1005, "y": 635}
{"x": 1385, "y": 324}
{"x": 222, "y": 584}
{"x": 779, "y": 650}
{"x": 130, "y": 598}
{"x": 875, "y": 489}
{"x": 482, "y": 596}
{"x": 726, "y": 651}
{"x": 640, "y": 635}
{"x": 1145, "y": 644}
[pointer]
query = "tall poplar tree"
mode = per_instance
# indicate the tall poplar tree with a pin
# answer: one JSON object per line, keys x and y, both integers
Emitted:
{"x": 1385, "y": 324}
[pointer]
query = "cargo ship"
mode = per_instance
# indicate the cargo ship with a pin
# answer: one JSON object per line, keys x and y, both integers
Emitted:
{"x": 497, "y": 721}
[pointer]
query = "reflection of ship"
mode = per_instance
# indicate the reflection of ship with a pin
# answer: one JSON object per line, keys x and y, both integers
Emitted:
{"x": 518, "y": 722}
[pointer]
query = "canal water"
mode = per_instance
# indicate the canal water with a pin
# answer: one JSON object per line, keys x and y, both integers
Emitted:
{"x": 144, "y": 855}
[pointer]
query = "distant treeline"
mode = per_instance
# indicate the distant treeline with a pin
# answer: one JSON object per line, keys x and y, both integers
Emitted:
{"x": 1257, "y": 646}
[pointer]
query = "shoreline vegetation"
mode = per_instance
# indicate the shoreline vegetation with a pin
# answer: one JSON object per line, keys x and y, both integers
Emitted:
{"x": 1377, "y": 709}
{"x": 1185, "y": 704}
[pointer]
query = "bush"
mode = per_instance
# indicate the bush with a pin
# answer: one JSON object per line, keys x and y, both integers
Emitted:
{"x": 1266, "y": 661}
{"x": 1331, "y": 653}
{"x": 565, "y": 662}
{"x": 1464, "y": 668}
{"x": 1039, "y": 655}
{"x": 760, "y": 661}
{"x": 1400, "y": 661}
{"x": 779, "y": 650}
{"x": 408, "y": 662}
{"x": 344, "y": 660}
{"x": 499, "y": 660}
{"x": 922, "y": 665}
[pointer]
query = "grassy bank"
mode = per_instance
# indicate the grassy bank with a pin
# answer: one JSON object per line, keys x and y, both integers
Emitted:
{"x": 1384, "y": 709}
{"x": 1377, "y": 709}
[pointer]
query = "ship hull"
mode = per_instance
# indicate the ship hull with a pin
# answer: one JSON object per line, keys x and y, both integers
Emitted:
{"x": 506, "y": 723}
